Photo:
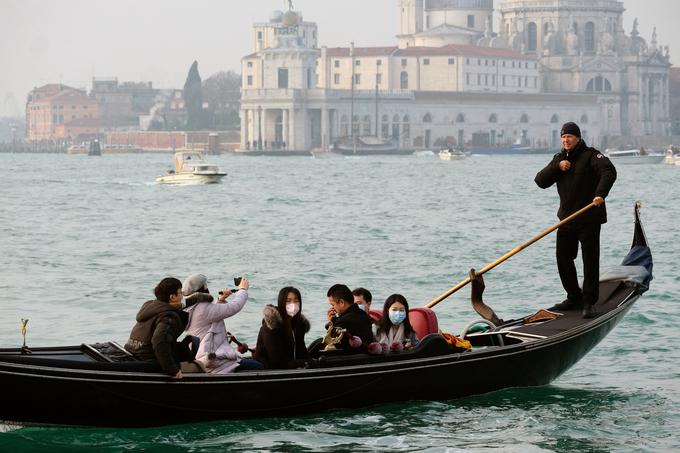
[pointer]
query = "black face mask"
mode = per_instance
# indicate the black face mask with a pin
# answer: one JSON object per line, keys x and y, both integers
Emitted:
{"x": 203, "y": 290}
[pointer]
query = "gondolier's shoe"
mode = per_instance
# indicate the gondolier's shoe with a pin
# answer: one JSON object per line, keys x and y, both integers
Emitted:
{"x": 589, "y": 311}
{"x": 568, "y": 304}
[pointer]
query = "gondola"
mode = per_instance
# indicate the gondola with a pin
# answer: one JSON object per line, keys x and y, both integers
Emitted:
{"x": 100, "y": 385}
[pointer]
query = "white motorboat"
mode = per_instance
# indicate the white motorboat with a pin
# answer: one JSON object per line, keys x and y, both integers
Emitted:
{"x": 633, "y": 156}
{"x": 451, "y": 154}
{"x": 671, "y": 157}
{"x": 191, "y": 168}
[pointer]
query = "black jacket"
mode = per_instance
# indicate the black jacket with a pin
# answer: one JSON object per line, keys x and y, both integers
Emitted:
{"x": 275, "y": 349}
{"x": 591, "y": 174}
{"x": 155, "y": 334}
{"x": 357, "y": 322}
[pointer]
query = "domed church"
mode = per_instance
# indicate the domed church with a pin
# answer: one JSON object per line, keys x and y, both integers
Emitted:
{"x": 451, "y": 78}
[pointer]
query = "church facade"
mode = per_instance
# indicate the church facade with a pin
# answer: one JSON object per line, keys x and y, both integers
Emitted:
{"x": 450, "y": 79}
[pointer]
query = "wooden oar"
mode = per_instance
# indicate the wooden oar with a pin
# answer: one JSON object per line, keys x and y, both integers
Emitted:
{"x": 512, "y": 252}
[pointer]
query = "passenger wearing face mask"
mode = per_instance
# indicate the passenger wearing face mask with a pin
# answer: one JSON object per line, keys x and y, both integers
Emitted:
{"x": 281, "y": 341}
{"x": 394, "y": 327}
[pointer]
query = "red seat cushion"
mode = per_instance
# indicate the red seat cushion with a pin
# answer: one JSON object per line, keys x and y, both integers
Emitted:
{"x": 423, "y": 320}
{"x": 375, "y": 315}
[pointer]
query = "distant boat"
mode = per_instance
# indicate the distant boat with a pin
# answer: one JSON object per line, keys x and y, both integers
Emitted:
{"x": 367, "y": 146}
{"x": 191, "y": 168}
{"x": 451, "y": 154}
{"x": 516, "y": 148}
{"x": 633, "y": 156}
{"x": 671, "y": 157}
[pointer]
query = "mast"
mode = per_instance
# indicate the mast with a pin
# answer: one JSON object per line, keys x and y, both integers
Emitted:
{"x": 351, "y": 115}
{"x": 376, "y": 99}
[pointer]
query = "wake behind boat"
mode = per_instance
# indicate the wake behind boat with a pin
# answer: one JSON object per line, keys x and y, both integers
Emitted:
{"x": 102, "y": 385}
{"x": 191, "y": 168}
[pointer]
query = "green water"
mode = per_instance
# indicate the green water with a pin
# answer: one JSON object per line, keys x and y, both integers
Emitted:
{"x": 83, "y": 241}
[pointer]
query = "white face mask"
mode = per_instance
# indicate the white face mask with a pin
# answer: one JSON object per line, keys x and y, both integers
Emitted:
{"x": 292, "y": 309}
{"x": 184, "y": 301}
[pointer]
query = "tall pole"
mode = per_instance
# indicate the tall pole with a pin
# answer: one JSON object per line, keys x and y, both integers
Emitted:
{"x": 351, "y": 114}
{"x": 376, "y": 99}
{"x": 259, "y": 127}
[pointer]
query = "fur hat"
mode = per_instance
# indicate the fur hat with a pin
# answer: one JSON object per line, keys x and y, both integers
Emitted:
{"x": 193, "y": 283}
{"x": 571, "y": 129}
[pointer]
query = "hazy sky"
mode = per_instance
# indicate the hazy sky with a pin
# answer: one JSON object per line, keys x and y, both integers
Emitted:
{"x": 69, "y": 41}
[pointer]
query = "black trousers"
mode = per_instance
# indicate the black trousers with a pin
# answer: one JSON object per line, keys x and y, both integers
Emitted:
{"x": 567, "y": 251}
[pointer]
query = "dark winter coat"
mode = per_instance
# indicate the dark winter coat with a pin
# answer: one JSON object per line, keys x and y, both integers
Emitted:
{"x": 155, "y": 334}
{"x": 591, "y": 175}
{"x": 275, "y": 349}
{"x": 357, "y": 322}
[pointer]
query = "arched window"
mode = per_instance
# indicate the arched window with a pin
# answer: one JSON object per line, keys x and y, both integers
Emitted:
{"x": 493, "y": 118}
{"x": 427, "y": 118}
{"x": 366, "y": 122}
{"x": 589, "y": 38}
{"x": 344, "y": 126}
{"x": 599, "y": 83}
{"x": 403, "y": 78}
{"x": 460, "y": 118}
{"x": 584, "y": 119}
{"x": 355, "y": 125}
{"x": 524, "y": 118}
{"x": 395, "y": 127}
{"x": 407, "y": 127}
{"x": 385, "y": 127}
{"x": 532, "y": 37}
{"x": 555, "y": 119}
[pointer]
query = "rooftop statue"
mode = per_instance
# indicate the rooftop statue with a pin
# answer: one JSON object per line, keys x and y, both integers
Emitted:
{"x": 290, "y": 5}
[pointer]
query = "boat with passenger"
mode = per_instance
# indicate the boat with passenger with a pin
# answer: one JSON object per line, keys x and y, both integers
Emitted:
{"x": 101, "y": 384}
{"x": 191, "y": 168}
{"x": 672, "y": 156}
{"x": 451, "y": 154}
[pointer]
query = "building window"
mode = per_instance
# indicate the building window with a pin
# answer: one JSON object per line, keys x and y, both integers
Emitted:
{"x": 555, "y": 119}
{"x": 403, "y": 61}
{"x": 493, "y": 80}
{"x": 460, "y": 118}
{"x": 467, "y": 61}
{"x": 357, "y": 63}
{"x": 599, "y": 83}
{"x": 283, "y": 78}
{"x": 486, "y": 79}
{"x": 471, "y": 21}
{"x": 584, "y": 119}
{"x": 524, "y": 118}
{"x": 378, "y": 63}
{"x": 479, "y": 61}
{"x": 427, "y": 118}
{"x": 503, "y": 80}
{"x": 452, "y": 61}
{"x": 259, "y": 35}
{"x": 467, "y": 78}
{"x": 532, "y": 37}
{"x": 403, "y": 80}
{"x": 493, "y": 118}
{"x": 426, "y": 61}
{"x": 336, "y": 63}
{"x": 378, "y": 79}
{"x": 513, "y": 64}
{"x": 250, "y": 80}
{"x": 336, "y": 79}
{"x": 486, "y": 62}
{"x": 250, "y": 64}
{"x": 589, "y": 41}
{"x": 357, "y": 79}
{"x": 479, "y": 79}
{"x": 503, "y": 63}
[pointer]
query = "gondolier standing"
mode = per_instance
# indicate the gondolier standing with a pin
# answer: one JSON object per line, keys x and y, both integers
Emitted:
{"x": 583, "y": 175}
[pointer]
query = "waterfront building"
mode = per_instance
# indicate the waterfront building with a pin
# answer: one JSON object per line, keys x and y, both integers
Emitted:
{"x": 452, "y": 79}
{"x": 58, "y": 113}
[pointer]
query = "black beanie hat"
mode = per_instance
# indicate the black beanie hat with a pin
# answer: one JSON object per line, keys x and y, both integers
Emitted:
{"x": 571, "y": 129}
